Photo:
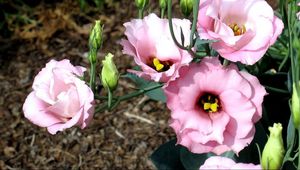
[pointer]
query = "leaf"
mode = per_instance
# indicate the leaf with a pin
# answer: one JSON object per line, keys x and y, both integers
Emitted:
{"x": 192, "y": 161}
{"x": 156, "y": 94}
{"x": 290, "y": 139}
{"x": 167, "y": 156}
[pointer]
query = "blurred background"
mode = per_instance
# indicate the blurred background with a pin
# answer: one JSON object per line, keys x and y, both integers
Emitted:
{"x": 32, "y": 32}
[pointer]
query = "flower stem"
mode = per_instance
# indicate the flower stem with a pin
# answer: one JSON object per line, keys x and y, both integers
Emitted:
{"x": 298, "y": 149}
{"x": 110, "y": 97}
{"x": 169, "y": 14}
{"x": 194, "y": 24}
{"x": 93, "y": 74}
{"x": 135, "y": 94}
{"x": 162, "y": 12}
{"x": 141, "y": 13}
{"x": 226, "y": 62}
{"x": 277, "y": 90}
{"x": 171, "y": 25}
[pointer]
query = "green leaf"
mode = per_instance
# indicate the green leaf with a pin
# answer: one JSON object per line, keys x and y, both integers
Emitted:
{"x": 156, "y": 94}
{"x": 192, "y": 161}
{"x": 167, "y": 156}
{"x": 290, "y": 139}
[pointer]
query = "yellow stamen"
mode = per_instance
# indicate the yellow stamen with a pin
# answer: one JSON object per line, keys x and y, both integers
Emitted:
{"x": 206, "y": 106}
{"x": 214, "y": 107}
{"x": 237, "y": 30}
{"x": 157, "y": 64}
{"x": 210, "y": 103}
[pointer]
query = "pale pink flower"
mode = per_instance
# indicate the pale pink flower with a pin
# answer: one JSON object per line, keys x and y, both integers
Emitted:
{"x": 214, "y": 108}
{"x": 60, "y": 99}
{"x": 218, "y": 162}
{"x": 298, "y": 14}
{"x": 149, "y": 41}
{"x": 243, "y": 29}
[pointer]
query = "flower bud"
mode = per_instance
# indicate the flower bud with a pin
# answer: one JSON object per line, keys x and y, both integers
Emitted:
{"x": 141, "y": 4}
{"x": 109, "y": 74}
{"x": 95, "y": 39}
{"x": 186, "y": 7}
{"x": 163, "y": 4}
{"x": 295, "y": 107}
{"x": 273, "y": 152}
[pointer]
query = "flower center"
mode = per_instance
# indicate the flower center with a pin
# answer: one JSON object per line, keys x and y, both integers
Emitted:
{"x": 159, "y": 66}
{"x": 237, "y": 30}
{"x": 209, "y": 103}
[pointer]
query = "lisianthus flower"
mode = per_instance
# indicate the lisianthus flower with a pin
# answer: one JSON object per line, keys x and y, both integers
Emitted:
{"x": 60, "y": 99}
{"x": 243, "y": 29}
{"x": 298, "y": 14}
{"x": 149, "y": 41}
{"x": 218, "y": 162}
{"x": 214, "y": 108}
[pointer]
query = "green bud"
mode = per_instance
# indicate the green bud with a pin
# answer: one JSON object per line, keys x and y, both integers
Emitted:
{"x": 141, "y": 4}
{"x": 296, "y": 107}
{"x": 109, "y": 73}
{"x": 273, "y": 152}
{"x": 163, "y": 4}
{"x": 95, "y": 40}
{"x": 186, "y": 7}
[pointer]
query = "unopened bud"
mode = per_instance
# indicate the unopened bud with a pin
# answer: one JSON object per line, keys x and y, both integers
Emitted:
{"x": 95, "y": 39}
{"x": 296, "y": 107}
{"x": 141, "y": 4}
{"x": 109, "y": 73}
{"x": 186, "y": 7}
{"x": 163, "y": 4}
{"x": 273, "y": 152}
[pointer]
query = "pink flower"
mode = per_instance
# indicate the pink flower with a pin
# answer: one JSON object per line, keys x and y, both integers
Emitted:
{"x": 218, "y": 162}
{"x": 244, "y": 29}
{"x": 59, "y": 99}
{"x": 298, "y": 14}
{"x": 149, "y": 41}
{"x": 214, "y": 108}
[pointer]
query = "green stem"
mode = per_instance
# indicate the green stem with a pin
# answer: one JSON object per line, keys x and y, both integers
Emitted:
{"x": 171, "y": 25}
{"x": 141, "y": 13}
{"x": 169, "y": 13}
{"x": 291, "y": 45}
{"x": 135, "y": 94}
{"x": 93, "y": 76}
{"x": 110, "y": 97}
{"x": 194, "y": 24}
{"x": 277, "y": 90}
{"x": 298, "y": 149}
{"x": 162, "y": 12}
{"x": 225, "y": 63}
{"x": 283, "y": 62}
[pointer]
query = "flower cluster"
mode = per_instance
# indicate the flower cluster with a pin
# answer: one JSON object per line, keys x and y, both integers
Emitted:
{"x": 213, "y": 107}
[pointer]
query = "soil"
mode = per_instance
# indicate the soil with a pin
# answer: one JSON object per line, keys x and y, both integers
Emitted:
{"x": 121, "y": 139}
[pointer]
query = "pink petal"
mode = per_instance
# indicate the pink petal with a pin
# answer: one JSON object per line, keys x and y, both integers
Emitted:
{"x": 241, "y": 110}
{"x": 53, "y": 129}
{"x": 35, "y": 110}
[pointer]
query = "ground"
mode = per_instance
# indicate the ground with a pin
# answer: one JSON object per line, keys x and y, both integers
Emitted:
{"x": 121, "y": 139}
